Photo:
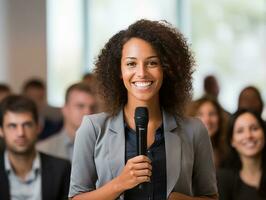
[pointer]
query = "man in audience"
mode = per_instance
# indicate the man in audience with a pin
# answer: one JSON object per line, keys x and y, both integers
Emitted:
{"x": 4, "y": 92}
{"x": 88, "y": 78}
{"x": 50, "y": 117}
{"x": 25, "y": 173}
{"x": 211, "y": 86}
{"x": 250, "y": 98}
{"x": 79, "y": 101}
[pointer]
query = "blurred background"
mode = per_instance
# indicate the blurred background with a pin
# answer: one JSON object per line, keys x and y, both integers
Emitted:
{"x": 58, "y": 40}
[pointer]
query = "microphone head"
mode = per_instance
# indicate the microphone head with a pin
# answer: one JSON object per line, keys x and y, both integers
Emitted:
{"x": 141, "y": 116}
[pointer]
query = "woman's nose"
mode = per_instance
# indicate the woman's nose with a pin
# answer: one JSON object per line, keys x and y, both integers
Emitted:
{"x": 248, "y": 133}
{"x": 141, "y": 70}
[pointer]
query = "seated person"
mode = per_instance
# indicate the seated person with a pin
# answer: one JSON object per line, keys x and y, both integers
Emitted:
{"x": 244, "y": 173}
{"x": 50, "y": 118}
{"x": 250, "y": 98}
{"x": 25, "y": 173}
{"x": 211, "y": 86}
{"x": 209, "y": 111}
{"x": 79, "y": 101}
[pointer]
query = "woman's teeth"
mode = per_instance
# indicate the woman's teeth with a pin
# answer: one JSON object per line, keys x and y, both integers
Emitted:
{"x": 142, "y": 84}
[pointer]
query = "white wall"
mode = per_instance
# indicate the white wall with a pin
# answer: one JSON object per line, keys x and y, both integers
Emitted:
{"x": 3, "y": 60}
{"x": 22, "y": 41}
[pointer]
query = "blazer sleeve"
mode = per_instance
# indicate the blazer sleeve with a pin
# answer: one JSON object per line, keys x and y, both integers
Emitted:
{"x": 83, "y": 171}
{"x": 204, "y": 174}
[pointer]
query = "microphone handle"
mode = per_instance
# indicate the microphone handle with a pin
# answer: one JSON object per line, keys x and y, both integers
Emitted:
{"x": 142, "y": 146}
{"x": 142, "y": 141}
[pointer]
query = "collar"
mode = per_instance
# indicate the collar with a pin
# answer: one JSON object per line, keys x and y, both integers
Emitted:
{"x": 67, "y": 140}
{"x": 35, "y": 167}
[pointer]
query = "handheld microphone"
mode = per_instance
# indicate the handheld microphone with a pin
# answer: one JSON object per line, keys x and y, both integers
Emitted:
{"x": 141, "y": 121}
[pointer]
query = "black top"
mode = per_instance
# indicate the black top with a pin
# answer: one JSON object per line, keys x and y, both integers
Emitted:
{"x": 231, "y": 187}
{"x": 156, "y": 189}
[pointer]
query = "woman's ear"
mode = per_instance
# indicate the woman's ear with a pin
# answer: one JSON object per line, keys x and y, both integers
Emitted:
{"x": 1, "y": 132}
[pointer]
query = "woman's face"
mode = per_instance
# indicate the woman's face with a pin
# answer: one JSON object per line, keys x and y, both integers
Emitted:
{"x": 209, "y": 116}
{"x": 248, "y": 136}
{"x": 142, "y": 72}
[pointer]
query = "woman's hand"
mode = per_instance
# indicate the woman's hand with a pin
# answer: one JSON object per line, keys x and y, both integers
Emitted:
{"x": 136, "y": 171}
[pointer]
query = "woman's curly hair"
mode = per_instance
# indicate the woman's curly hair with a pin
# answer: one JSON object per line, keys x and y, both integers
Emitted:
{"x": 175, "y": 56}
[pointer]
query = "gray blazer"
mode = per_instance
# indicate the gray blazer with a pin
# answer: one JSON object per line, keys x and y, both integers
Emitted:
{"x": 99, "y": 155}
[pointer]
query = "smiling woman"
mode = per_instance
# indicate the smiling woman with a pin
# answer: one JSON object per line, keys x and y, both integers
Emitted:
{"x": 147, "y": 65}
{"x": 244, "y": 176}
{"x": 141, "y": 70}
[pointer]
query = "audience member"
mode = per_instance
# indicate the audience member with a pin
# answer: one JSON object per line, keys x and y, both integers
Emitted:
{"x": 25, "y": 173}
{"x": 211, "y": 86}
{"x": 244, "y": 176}
{"x": 50, "y": 117}
{"x": 4, "y": 92}
{"x": 211, "y": 114}
{"x": 88, "y": 78}
{"x": 250, "y": 98}
{"x": 79, "y": 101}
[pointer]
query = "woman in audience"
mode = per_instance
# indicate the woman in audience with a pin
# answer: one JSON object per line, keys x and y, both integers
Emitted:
{"x": 244, "y": 176}
{"x": 211, "y": 114}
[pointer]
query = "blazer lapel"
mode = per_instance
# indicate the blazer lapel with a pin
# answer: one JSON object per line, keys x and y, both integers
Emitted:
{"x": 116, "y": 144}
{"x": 47, "y": 178}
{"x": 173, "y": 150}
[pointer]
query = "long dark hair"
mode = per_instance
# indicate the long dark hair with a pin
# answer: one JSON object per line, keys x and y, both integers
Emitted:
{"x": 233, "y": 161}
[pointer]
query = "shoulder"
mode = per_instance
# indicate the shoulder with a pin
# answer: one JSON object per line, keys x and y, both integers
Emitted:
{"x": 94, "y": 123}
{"x": 92, "y": 127}
{"x": 194, "y": 128}
{"x": 53, "y": 161}
{"x": 227, "y": 181}
{"x": 97, "y": 120}
{"x": 226, "y": 175}
{"x": 58, "y": 137}
{"x": 192, "y": 123}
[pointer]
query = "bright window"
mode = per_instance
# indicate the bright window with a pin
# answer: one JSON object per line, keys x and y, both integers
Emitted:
{"x": 108, "y": 17}
{"x": 229, "y": 40}
{"x": 65, "y": 47}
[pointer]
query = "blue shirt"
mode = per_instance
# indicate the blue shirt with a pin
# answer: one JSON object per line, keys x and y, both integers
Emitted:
{"x": 28, "y": 188}
{"x": 156, "y": 189}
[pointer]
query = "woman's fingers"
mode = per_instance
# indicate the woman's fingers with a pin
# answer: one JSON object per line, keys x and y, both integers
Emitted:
{"x": 139, "y": 166}
{"x": 136, "y": 171}
{"x": 139, "y": 159}
{"x": 143, "y": 172}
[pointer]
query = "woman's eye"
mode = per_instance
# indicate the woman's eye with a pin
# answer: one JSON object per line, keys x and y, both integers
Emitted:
{"x": 239, "y": 130}
{"x": 254, "y": 128}
{"x": 153, "y": 63}
{"x": 131, "y": 64}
